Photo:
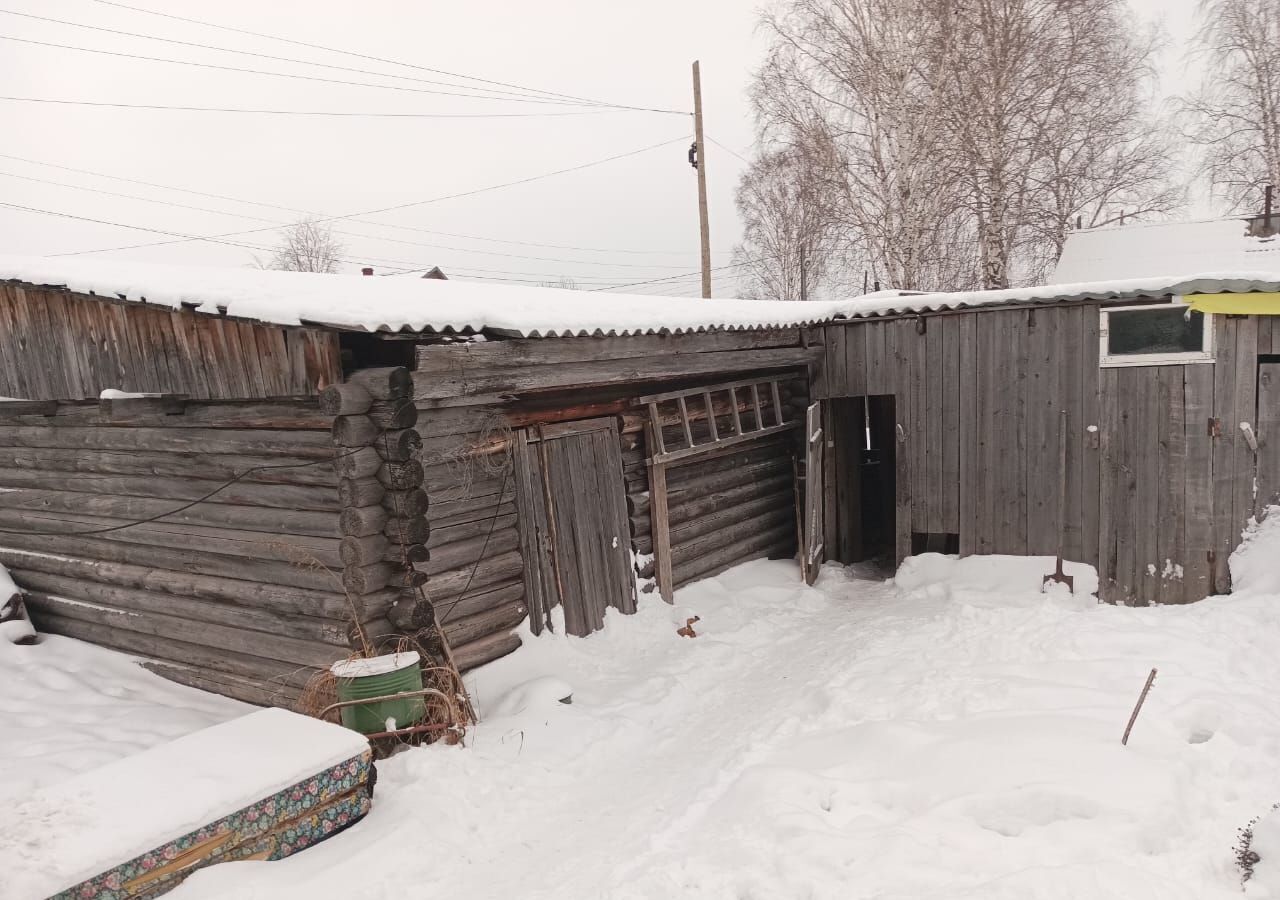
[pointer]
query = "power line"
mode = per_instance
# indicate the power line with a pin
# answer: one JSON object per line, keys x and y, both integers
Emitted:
{"x": 305, "y": 112}
{"x": 697, "y": 272}
{"x": 410, "y": 205}
{"x": 354, "y": 260}
{"x": 354, "y": 54}
{"x": 348, "y": 234}
{"x": 728, "y": 150}
{"x": 399, "y": 227}
{"x": 291, "y": 75}
{"x": 286, "y": 59}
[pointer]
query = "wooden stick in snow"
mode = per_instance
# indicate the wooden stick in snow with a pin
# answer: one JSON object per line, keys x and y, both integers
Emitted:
{"x": 1151, "y": 679}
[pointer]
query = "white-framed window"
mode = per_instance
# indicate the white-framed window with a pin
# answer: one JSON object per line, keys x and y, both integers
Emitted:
{"x": 1160, "y": 334}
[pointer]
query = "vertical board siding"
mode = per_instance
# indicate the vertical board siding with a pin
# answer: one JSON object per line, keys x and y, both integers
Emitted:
{"x": 1169, "y": 527}
{"x": 1197, "y": 574}
{"x": 1154, "y": 501}
{"x": 1224, "y": 448}
{"x": 56, "y": 345}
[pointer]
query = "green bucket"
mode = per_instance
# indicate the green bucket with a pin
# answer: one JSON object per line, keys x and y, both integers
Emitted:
{"x": 379, "y": 676}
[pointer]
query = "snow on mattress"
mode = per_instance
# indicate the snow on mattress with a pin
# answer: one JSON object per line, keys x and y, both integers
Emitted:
{"x": 64, "y": 834}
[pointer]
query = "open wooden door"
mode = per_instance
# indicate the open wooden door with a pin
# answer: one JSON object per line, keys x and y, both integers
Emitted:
{"x": 811, "y": 537}
{"x": 573, "y": 522}
{"x": 1268, "y": 434}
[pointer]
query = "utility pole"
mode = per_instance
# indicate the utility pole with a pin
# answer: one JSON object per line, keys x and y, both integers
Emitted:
{"x": 700, "y": 163}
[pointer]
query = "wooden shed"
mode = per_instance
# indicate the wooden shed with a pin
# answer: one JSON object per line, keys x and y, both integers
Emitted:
{"x": 316, "y": 451}
{"x": 1133, "y": 425}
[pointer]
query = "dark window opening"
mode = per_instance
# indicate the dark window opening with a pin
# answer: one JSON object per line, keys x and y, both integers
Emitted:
{"x": 1155, "y": 329}
{"x": 363, "y": 351}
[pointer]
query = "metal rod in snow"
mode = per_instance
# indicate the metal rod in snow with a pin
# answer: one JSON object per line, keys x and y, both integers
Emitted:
{"x": 1146, "y": 688}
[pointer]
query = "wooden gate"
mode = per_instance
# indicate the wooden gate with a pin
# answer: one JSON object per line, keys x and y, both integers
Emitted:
{"x": 811, "y": 538}
{"x": 1268, "y": 434}
{"x": 573, "y": 523}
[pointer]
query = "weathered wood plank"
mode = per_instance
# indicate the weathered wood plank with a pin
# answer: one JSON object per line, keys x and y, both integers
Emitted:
{"x": 1198, "y": 499}
{"x": 485, "y": 650}
{"x": 931, "y": 430}
{"x": 269, "y": 673}
{"x": 1171, "y": 485}
{"x": 455, "y": 357}
{"x": 277, "y": 469}
{"x": 237, "y": 638}
{"x": 219, "y": 515}
{"x": 27, "y": 487}
{"x": 607, "y": 371}
{"x": 1090, "y": 464}
{"x": 311, "y": 444}
{"x": 1225, "y": 529}
{"x": 270, "y": 621}
{"x": 1042, "y": 408}
{"x": 1244, "y": 462}
{"x": 62, "y": 345}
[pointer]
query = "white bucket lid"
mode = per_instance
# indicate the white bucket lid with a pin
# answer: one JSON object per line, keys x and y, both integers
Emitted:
{"x": 374, "y": 665}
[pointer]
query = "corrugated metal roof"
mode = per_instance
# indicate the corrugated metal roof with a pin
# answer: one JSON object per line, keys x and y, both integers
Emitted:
{"x": 908, "y": 304}
{"x": 415, "y": 305}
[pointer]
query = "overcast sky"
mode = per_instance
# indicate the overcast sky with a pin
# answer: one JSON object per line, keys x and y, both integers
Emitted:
{"x": 629, "y": 220}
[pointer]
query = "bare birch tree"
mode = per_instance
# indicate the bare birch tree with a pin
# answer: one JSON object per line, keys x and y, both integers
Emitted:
{"x": 788, "y": 248}
{"x": 1046, "y": 115}
{"x": 843, "y": 88}
{"x": 306, "y": 246}
{"x": 1235, "y": 115}
{"x": 956, "y": 144}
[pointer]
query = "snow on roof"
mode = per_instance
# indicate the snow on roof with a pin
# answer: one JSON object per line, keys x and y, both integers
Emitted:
{"x": 405, "y": 304}
{"x": 1145, "y": 251}
{"x": 410, "y": 304}
{"x": 1131, "y": 288}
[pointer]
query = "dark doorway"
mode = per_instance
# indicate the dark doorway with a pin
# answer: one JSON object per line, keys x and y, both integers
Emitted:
{"x": 1267, "y": 481}
{"x": 864, "y": 472}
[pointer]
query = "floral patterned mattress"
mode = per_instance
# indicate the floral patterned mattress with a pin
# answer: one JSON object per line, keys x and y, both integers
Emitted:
{"x": 218, "y": 795}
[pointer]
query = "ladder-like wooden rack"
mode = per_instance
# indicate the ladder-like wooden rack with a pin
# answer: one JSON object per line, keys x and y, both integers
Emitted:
{"x": 762, "y": 417}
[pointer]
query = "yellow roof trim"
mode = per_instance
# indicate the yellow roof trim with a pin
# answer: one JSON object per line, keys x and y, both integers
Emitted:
{"x": 1250, "y": 304}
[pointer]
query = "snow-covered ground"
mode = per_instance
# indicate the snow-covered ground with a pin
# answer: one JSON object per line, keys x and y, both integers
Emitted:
{"x": 955, "y": 734}
{"x": 67, "y": 707}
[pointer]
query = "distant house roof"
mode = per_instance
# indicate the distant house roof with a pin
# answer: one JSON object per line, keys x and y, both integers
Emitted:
{"x": 436, "y": 274}
{"x": 1166, "y": 248}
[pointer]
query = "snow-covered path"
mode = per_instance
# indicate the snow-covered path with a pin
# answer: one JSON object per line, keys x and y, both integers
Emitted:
{"x": 954, "y": 735}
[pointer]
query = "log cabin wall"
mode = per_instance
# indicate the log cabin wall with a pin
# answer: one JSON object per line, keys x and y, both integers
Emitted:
{"x": 57, "y": 345}
{"x": 240, "y": 593}
{"x": 472, "y": 395}
{"x": 1156, "y": 498}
